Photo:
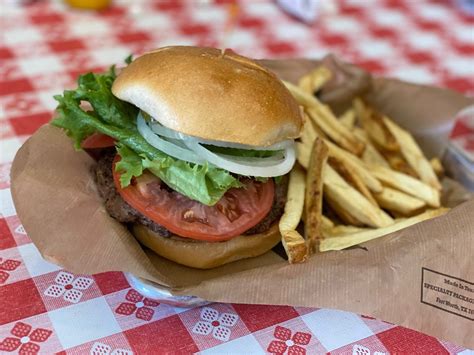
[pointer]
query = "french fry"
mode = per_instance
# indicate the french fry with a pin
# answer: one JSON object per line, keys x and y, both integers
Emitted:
{"x": 325, "y": 127}
{"x": 325, "y": 119}
{"x": 361, "y": 134}
{"x": 335, "y": 130}
{"x": 407, "y": 184}
{"x": 309, "y": 133}
{"x": 346, "y": 241}
{"x": 306, "y": 84}
{"x": 294, "y": 244}
{"x": 357, "y": 165}
{"x": 303, "y": 154}
{"x": 341, "y": 211}
{"x": 315, "y": 80}
{"x": 370, "y": 156}
{"x": 347, "y": 172}
{"x": 326, "y": 223}
{"x": 341, "y": 230}
{"x": 437, "y": 167}
{"x": 397, "y": 201}
{"x": 352, "y": 201}
{"x": 303, "y": 98}
{"x": 314, "y": 194}
{"x": 374, "y": 125}
{"x": 351, "y": 174}
{"x": 358, "y": 174}
{"x": 321, "y": 75}
{"x": 295, "y": 200}
{"x": 319, "y": 131}
{"x": 413, "y": 154}
{"x": 397, "y": 162}
{"x": 348, "y": 119}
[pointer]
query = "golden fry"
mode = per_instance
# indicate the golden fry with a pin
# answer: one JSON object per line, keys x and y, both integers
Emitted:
{"x": 325, "y": 119}
{"x": 293, "y": 242}
{"x": 326, "y": 223}
{"x": 348, "y": 118}
{"x": 413, "y": 154}
{"x": 309, "y": 133}
{"x": 314, "y": 194}
{"x": 437, "y": 167}
{"x": 373, "y": 123}
{"x": 371, "y": 155}
{"x": 335, "y": 130}
{"x": 306, "y": 84}
{"x": 348, "y": 173}
{"x": 346, "y": 241}
{"x": 407, "y": 184}
{"x": 295, "y": 246}
{"x": 303, "y": 153}
{"x": 315, "y": 80}
{"x": 336, "y": 189}
{"x": 361, "y": 134}
{"x": 397, "y": 162}
{"x": 357, "y": 165}
{"x": 342, "y": 230}
{"x": 308, "y": 136}
{"x": 399, "y": 202}
{"x": 341, "y": 211}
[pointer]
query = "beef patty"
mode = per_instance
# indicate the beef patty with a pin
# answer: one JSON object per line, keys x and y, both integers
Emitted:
{"x": 123, "y": 212}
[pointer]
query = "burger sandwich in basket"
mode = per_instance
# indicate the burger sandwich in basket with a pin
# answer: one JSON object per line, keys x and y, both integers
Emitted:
{"x": 192, "y": 147}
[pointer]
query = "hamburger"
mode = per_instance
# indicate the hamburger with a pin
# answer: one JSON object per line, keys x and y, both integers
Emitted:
{"x": 192, "y": 146}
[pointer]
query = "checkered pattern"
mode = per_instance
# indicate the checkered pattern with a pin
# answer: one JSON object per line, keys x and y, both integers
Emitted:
{"x": 45, "y": 46}
{"x": 462, "y": 135}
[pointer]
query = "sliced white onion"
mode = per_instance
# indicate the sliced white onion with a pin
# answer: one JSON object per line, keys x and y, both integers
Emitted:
{"x": 177, "y": 142}
{"x": 164, "y": 131}
{"x": 166, "y": 146}
{"x": 277, "y": 146}
{"x": 190, "y": 149}
{"x": 169, "y": 133}
{"x": 255, "y": 161}
{"x": 248, "y": 168}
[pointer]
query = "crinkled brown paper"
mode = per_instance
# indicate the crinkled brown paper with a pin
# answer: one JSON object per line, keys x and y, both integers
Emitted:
{"x": 420, "y": 277}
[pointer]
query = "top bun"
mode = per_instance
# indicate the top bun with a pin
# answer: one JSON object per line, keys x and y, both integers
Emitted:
{"x": 211, "y": 94}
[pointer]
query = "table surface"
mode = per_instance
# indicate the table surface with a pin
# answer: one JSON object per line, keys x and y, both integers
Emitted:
{"x": 45, "y": 45}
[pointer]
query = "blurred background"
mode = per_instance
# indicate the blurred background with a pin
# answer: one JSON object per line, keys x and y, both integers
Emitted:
{"x": 46, "y": 44}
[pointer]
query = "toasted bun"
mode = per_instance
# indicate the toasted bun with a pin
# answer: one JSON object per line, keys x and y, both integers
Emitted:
{"x": 211, "y": 94}
{"x": 203, "y": 255}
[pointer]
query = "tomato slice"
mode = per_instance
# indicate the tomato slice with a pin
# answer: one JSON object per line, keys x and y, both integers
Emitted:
{"x": 98, "y": 140}
{"x": 237, "y": 211}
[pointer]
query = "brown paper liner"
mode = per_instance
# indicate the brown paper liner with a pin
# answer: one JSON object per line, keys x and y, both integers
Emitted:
{"x": 396, "y": 278}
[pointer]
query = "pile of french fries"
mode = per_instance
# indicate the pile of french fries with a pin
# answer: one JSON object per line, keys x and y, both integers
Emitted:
{"x": 358, "y": 177}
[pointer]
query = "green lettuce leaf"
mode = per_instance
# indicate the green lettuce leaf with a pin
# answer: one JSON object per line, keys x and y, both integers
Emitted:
{"x": 130, "y": 164}
{"x": 198, "y": 182}
{"x": 117, "y": 119}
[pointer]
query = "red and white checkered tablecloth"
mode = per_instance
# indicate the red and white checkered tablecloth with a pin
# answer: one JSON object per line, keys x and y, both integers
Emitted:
{"x": 45, "y": 45}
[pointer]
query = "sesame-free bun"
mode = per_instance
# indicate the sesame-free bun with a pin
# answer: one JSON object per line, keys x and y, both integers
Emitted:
{"x": 211, "y": 94}
{"x": 206, "y": 255}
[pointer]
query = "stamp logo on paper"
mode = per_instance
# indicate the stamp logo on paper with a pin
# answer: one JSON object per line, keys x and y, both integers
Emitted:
{"x": 448, "y": 293}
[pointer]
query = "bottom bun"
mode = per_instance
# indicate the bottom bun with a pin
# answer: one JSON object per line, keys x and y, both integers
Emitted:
{"x": 205, "y": 255}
